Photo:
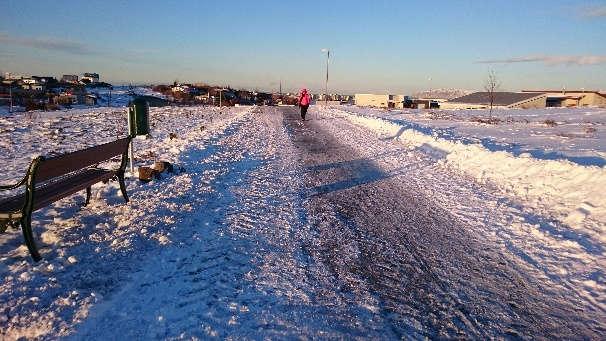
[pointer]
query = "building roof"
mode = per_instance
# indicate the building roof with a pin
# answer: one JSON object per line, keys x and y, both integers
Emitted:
{"x": 555, "y": 93}
{"x": 500, "y": 98}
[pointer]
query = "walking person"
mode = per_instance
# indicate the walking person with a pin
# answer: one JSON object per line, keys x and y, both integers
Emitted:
{"x": 304, "y": 101}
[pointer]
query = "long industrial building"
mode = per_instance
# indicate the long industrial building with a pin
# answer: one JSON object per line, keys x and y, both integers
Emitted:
{"x": 575, "y": 98}
{"x": 527, "y": 99}
{"x": 481, "y": 100}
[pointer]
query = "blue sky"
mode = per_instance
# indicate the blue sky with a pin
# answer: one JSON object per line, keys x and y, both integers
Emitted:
{"x": 376, "y": 46}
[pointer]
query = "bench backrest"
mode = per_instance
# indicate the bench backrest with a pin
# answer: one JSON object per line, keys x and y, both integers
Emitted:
{"x": 64, "y": 164}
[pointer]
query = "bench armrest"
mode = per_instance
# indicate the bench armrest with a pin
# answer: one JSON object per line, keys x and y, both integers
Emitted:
{"x": 9, "y": 187}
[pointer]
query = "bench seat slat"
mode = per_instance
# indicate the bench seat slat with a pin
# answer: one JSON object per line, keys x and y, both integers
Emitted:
{"x": 67, "y": 163}
{"x": 46, "y": 194}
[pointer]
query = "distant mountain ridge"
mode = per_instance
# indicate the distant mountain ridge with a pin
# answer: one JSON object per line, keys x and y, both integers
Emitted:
{"x": 442, "y": 93}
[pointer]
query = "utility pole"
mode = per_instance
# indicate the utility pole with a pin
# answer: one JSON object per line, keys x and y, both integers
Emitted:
{"x": 10, "y": 94}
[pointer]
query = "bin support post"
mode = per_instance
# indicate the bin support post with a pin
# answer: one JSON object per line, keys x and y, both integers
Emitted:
{"x": 132, "y": 141}
{"x": 131, "y": 156}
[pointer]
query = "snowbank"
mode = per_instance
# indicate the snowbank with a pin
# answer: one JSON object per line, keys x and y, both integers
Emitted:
{"x": 573, "y": 134}
{"x": 574, "y": 193}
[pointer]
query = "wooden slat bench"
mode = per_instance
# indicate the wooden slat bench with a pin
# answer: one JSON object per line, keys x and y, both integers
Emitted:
{"x": 49, "y": 179}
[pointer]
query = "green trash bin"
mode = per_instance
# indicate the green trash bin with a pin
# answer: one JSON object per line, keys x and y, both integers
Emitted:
{"x": 138, "y": 114}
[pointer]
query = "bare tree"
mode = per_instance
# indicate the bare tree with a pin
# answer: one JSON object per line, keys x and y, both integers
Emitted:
{"x": 491, "y": 85}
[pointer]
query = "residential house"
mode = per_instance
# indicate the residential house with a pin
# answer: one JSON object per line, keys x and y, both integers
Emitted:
{"x": 29, "y": 80}
{"x": 69, "y": 79}
{"x": 245, "y": 95}
{"x": 33, "y": 86}
{"x": 185, "y": 88}
{"x": 46, "y": 80}
{"x": 90, "y": 78}
{"x": 204, "y": 97}
{"x": 67, "y": 99}
{"x": 12, "y": 76}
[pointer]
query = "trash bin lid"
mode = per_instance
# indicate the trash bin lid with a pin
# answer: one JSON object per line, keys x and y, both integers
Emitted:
{"x": 138, "y": 101}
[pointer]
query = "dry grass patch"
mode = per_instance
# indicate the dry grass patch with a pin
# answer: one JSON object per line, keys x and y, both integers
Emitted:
{"x": 486, "y": 120}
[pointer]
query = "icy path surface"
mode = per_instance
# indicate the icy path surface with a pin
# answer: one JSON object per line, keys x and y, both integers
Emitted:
{"x": 288, "y": 229}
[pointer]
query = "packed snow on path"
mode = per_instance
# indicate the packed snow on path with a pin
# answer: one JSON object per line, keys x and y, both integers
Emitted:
{"x": 245, "y": 243}
{"x": 512, "y": 155}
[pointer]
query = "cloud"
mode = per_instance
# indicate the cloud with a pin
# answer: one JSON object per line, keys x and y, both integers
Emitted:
{"x": 52, "y": 44}
{"x": 594, "y": 12}
{"x": 72, "y": 47}
{"x": 550, "y": 60}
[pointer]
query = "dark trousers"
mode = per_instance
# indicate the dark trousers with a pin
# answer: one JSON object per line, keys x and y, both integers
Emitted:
{"x": 304, "y": 111}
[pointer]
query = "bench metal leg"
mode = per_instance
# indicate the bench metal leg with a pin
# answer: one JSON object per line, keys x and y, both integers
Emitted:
{"x": 88, "y": 194}
{"x": 28, "y": 235}
{"x": 123, "y": 187}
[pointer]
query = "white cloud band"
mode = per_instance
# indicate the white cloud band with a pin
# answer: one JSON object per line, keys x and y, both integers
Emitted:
{"x": 549, "y": 60}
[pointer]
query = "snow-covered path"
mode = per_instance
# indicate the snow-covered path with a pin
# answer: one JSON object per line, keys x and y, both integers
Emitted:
{"x": 242, "y": 266}
{"x": 317, "y": 229}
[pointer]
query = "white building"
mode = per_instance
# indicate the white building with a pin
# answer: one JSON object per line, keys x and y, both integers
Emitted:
{"x": 379, "y": 101}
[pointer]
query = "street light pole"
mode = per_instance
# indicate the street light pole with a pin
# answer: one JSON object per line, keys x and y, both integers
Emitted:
{"x": 326, "y": 85}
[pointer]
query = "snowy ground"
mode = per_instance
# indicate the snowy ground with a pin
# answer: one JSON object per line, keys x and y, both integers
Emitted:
{"x": 574, "y": 134}
{"x": 558, "y": 171}
{"x": 345, "y": 226}
{"x": 120, "y": 97}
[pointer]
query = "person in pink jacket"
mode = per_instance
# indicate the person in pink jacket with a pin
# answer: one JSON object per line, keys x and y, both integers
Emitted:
{"x": 304, "y": 101}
